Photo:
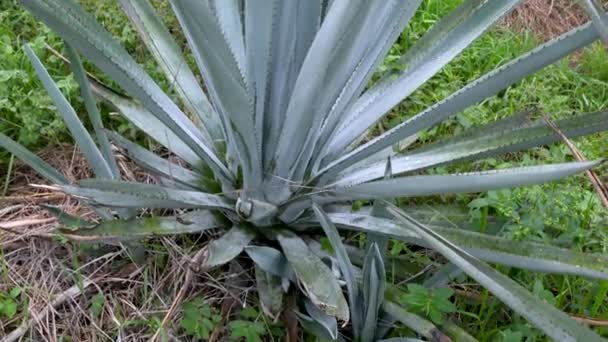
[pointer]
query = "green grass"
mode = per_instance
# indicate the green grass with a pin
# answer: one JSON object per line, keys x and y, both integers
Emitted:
{"x": 566, "y": 213}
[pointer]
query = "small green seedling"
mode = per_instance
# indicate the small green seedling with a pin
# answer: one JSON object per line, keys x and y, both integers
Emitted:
{"x": 432, "y": 303}
{"x": 199, "y": 319}
{"x": 247, "y": 328}
{"x": 8, "y": 302}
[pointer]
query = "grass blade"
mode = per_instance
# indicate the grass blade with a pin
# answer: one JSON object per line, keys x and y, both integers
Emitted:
{"x": 418, "y": 324}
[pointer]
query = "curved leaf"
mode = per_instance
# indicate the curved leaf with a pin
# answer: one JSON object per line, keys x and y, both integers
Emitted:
{"x": 328, "y": 323}
{"x": 228, "y": 247}
{"x": 66, "y": 219}
{"x": 260, "y": 18}
{"x": 600, "y": 20}
{"x": 314, "y": 328}
{"x": 270, "y": 260}
{"x": 341, "y": 60}
{"x": 316, "y": 279}
{"x": 139, "y": 116}
{"x": 380, "y": 28}
{"x": 436, "y": 185}
{"x": 308, "y": 102}
{"x": 373, "y": 291}
{"x": 229, "y": 19}
{"x": 457, "y": 183}
{"x": 32, "y": 160}
{"x": 270, "y": 292}
{"x": 543, "y": 315}
{"x": 441, "y": 45}
{"x": 225, "y": 81}
{"x": 527, "y": 255}
{"x": 292, "y": 37}
{"x": 346, "y": 268}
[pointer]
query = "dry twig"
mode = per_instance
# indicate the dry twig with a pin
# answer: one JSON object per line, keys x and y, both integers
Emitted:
{"x": 591, "y": 321}
{"x": 197, "y": 259}
{"x": 68, "y": 294}
{"x": 599, "y": 187}
{"x": 34, "y": 198}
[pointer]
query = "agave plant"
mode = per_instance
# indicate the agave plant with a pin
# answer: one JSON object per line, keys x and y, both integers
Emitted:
{"x": 274, "y": 150}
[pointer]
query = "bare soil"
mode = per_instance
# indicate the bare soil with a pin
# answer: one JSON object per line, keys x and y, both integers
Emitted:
{"x": 547, "y": 19}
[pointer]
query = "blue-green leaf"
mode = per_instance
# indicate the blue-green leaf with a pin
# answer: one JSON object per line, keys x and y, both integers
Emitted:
{"x": 138, "y": 195}
{"x": 316, "y": 279}
{"x": 92, "y": 110}
{"x": 543, "y": 315}
{"x": 35, "y": 162}
{"x": 485, "y": 86}
{"x": 167, "y": 53}
{"x": 157, "y": 165}
{"x": 508, "y": 135}
{"x": 228, "y": 247}
{"x": 71, "y": 119}
{"x": 600, "y": 19}
{"x": 346, "y": 267}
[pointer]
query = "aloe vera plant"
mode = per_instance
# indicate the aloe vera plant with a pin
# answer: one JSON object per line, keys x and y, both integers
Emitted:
{"x": 274, "y": 150}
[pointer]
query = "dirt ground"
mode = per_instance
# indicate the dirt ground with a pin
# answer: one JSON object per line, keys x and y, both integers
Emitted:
{"x": 546, "y": 18}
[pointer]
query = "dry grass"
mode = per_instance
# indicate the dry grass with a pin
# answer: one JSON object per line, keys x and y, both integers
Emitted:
{"x": 547, "y": 19}
{"x": 45, "y": 268}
